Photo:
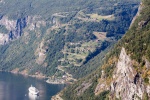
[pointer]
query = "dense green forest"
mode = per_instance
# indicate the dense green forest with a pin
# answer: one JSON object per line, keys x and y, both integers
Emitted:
{"x": 70, "y": 34}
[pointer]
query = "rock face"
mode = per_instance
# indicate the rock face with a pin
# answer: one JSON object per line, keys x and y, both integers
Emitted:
{"x": 15, "y": 27}
{"x": 102, "y": 85}
{"x": 127, "y": 83}
{"x": 4, "y": 38}
{"x": 9, "y": 24}
{"x": 41, "y": 53}
{"x": 34, "y": 22}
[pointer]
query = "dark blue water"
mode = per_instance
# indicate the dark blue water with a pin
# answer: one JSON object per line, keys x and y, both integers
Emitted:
{"x": 15, "y": 87}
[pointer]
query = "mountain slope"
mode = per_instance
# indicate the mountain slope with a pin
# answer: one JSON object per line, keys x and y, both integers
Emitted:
{"x": 59, "y": 38}
{"x": 125, "y": 73}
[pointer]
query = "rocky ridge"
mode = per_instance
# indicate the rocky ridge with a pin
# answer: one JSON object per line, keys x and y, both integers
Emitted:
{"x": 127, "y": 84}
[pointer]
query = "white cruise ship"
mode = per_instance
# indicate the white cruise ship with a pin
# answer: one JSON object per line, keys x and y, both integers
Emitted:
{"x": 33, "y": 90}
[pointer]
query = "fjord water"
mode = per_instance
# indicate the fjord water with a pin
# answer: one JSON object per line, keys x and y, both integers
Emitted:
{"x": 15, "y": 87}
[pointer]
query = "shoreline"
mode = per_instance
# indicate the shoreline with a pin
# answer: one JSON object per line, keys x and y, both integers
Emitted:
{"x": 56, "y": 81}
{"x": 57, "y": 97}
{"x": 44, "y": 78}
{"x": 24, "y": 74}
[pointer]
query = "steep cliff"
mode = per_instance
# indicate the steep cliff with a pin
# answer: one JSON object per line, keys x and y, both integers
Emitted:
{"x": 15, "y": 27}
{"x": 125, "y": 73}
{"x": 127, "y": 84}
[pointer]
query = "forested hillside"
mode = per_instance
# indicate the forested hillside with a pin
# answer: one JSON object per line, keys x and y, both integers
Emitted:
{"x": 60, "y": 38}
{"x": 125, "y": 73}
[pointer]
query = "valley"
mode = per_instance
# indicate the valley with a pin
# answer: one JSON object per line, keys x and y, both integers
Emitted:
{"x": 97, "y": 49}
{"x": 60, "y": 42}
{"x": 124, "y": 74}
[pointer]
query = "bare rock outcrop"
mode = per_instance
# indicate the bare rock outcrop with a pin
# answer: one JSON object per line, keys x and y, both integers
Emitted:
{"x": 102, "y": 85}
{"x": 41, "y": 53}
{"x": 127, "y": 83}
{"x": 16, "y": 27}
{"x": 9, "y": 24}
{"x": 35, "y": 22}
{"x": 4, "y": 38}
{"x": 138, "y": 14}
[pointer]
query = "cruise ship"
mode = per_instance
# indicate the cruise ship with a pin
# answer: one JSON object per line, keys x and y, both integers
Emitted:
{"x": 33, "y": 90}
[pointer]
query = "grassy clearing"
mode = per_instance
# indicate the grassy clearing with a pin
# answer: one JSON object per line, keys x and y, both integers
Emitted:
{"x": 99, "y": 17}
{"x": 100, "y": 35}
{"x": 94, "y": 17}
{"x": 76, "y": 54}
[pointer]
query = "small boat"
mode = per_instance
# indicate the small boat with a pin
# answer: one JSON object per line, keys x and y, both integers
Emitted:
{"x": 33, "y": 97}
{"x": 33, "y": 90}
